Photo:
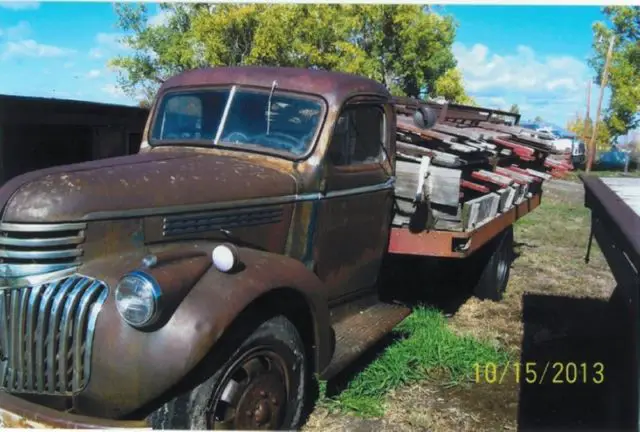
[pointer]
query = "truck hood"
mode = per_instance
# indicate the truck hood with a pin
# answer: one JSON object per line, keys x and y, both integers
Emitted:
{"x": 143, "y": 181}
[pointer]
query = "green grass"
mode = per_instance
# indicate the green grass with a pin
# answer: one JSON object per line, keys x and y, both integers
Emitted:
{"x": 427, "y": 348}
{"x": 553, "y": 214}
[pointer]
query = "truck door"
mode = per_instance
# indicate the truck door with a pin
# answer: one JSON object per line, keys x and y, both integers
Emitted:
{"x": 355, "y": 213}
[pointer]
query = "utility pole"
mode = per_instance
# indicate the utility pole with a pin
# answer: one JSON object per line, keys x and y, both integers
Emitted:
{"x": 585, "y": 126}
{"x": 603, "y": 85}
{"x": 585, "y": 135}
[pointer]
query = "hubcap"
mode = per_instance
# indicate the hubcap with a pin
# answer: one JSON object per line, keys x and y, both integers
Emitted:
{"x": 253, "y": 395}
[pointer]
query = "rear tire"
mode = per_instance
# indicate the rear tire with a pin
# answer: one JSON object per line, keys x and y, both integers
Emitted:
{"x": 260, "y": 385}
{"x": 494, "y": 265}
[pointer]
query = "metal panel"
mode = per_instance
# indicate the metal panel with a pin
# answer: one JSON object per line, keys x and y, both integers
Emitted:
{"x": 46, "y": 335}
{"x": 31, "y": 251}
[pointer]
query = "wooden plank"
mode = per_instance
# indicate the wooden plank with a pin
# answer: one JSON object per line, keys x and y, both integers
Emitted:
{"x": 521, "y": 193}
{"x": 445, "y": 189}
{"x": 492, "y": 177}
{"x": 445, "y": 183}
{"x": 542, "y": 175}
{"x": 510, "y": 195}
{"x": 519, "y": 149}
{"x": 521, "y": 134}
{"x": 504, "y": 198}
{"x": 519, "y": 177}
{"x": 479, "y": 211}
{"x": 406, "y": 179}
{"x": 405, "y": 210}
{"x": 474, "y": 186}
{"x": 430, "y": 134}
{"x": 533, "y": 177}
{"x": 628, "y": 189}
{"x": 439, "y": 158}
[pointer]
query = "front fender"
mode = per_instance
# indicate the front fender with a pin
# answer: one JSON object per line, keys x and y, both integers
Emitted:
{"x": 130, "y": 368}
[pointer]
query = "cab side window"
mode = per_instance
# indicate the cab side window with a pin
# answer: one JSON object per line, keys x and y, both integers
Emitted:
{"x": 359, "y": 136}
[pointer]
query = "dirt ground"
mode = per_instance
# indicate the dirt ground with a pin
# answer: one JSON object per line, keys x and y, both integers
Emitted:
{"x": 554, "y": 310}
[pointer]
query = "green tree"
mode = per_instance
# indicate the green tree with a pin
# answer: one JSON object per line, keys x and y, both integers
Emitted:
{"x": 538, "y": 119}
{"x": 407, "y": 48}
{"x": 451, "y": 87}
{"x": 584, "y": 130}
{"x": 622, "y": 114}
{"x": 515, "y": 109}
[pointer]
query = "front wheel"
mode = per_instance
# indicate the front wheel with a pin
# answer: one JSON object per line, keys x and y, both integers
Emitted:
{"x": 260, "y": 387}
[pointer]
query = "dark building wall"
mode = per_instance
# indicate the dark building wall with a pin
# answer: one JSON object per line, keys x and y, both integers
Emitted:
{"x": 38, "y": 133}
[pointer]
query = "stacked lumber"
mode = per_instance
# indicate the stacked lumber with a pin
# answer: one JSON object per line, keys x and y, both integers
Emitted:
{"x": 459, "y": 167}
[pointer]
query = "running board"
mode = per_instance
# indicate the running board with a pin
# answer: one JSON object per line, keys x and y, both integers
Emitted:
{"x": 357, "y": 332}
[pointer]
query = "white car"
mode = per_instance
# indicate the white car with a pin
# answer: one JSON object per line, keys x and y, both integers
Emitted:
{"x": 564, "y": 142}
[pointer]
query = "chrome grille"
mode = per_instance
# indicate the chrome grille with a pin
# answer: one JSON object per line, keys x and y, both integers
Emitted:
{"x": 33, "y": 253}
{"x": 46, "y": 332}
{"x": 214, "y": 221}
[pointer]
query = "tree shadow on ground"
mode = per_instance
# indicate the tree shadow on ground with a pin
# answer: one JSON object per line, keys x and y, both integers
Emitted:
{"x": 573, "y": 335}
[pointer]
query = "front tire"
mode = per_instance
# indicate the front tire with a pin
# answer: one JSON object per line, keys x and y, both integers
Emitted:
{"x": 260, "y": 386}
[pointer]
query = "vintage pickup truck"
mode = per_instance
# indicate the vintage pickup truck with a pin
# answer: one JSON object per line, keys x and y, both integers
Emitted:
{"x": 202, "y": 282}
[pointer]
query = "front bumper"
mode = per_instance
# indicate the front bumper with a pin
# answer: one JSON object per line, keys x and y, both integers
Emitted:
{"x": 18, "y": 413}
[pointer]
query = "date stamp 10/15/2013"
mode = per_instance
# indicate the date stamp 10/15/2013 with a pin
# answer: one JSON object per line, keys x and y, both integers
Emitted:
{"x": 540, "y": 373}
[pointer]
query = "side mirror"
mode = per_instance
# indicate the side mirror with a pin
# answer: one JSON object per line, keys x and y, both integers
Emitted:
{"x": 424, "y": 118}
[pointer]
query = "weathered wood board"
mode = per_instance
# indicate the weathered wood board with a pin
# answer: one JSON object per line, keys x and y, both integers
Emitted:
{"x": 628, "y": 189}
{"x": 479, "y": 211}
{"x": 445, "y": 183}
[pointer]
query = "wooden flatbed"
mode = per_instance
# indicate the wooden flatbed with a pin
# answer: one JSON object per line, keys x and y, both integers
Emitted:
{"x": 454, "y": 244}
{"x": 464, "y": 179}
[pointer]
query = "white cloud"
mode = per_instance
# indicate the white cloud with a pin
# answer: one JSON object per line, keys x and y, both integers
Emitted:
{"x": 553, "y": 87}
{"x": 94, "y": 73}
{"x": 16, "y": 32}
{"x": 19, "y": 31}
{"x": 68, "y": 65}
{"x": 109, "y": 40}
{"x": 522, "y": 70}
{"x": 19, "y": 5}
{"x": 107, "y": 45}
{"x": 31, "y": 48}
{"x": 96, "y": 53}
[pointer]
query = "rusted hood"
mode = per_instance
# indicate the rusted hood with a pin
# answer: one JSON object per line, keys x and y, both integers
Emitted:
{"x": 145, "y": 181}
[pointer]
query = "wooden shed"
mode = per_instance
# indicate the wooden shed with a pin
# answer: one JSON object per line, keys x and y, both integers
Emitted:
{"x": 38, "y": 133}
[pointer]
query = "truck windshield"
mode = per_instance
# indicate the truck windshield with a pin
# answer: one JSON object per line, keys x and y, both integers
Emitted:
{"x": 280, "y": 122}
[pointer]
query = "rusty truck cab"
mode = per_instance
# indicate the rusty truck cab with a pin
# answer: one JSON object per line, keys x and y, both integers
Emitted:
{"x": 190, "y": 285}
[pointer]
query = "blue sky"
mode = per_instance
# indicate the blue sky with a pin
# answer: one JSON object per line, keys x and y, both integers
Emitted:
{"x": 534, "y": 56}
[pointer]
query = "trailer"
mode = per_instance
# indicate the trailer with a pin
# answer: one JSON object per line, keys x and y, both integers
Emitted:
{"x": 615, "y": 225}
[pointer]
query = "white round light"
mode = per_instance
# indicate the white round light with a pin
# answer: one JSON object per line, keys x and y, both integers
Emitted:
{"x": 224, "y": 258}
{"x": 137, "y": 296}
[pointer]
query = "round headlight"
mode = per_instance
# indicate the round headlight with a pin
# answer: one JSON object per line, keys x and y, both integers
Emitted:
{"x": 137, "y": 297}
